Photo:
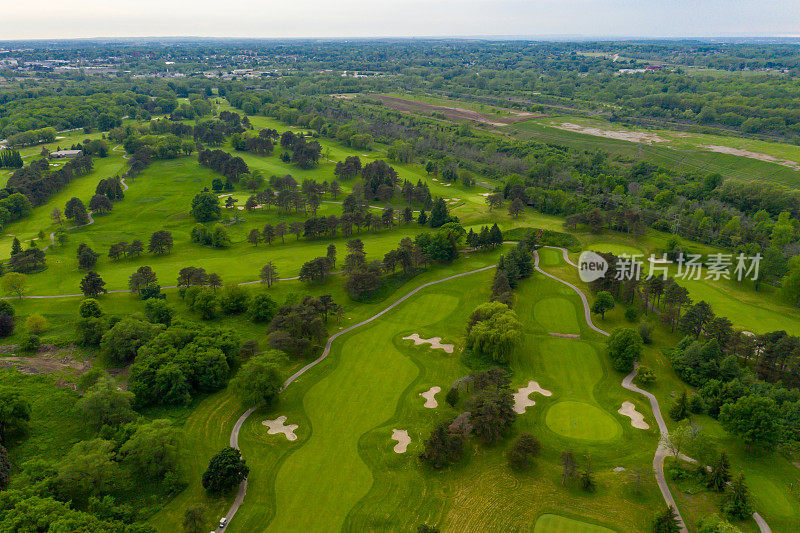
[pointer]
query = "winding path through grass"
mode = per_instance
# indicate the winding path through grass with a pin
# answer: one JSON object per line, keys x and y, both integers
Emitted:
{"x": 662, "y": 451}
{"x": 234, "y": 440}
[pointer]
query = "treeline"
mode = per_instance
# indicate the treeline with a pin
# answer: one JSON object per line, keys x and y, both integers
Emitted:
{"x": 10, "y": 158}
{"x": 38, "y": 183}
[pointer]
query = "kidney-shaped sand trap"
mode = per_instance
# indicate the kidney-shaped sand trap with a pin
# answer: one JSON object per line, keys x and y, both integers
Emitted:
{"x": 435, "y": 342}
{"x": 637, "y": 418}
{"x": 402, "y": 438}
{"x": 430, "y": 397}
{"x": 521, "y": 400}
{"x": 279, "y": 426}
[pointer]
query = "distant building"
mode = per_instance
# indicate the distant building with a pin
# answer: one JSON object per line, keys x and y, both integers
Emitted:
{"x": 62, "y": 154}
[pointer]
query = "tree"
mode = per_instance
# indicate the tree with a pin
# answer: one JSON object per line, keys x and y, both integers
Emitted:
{"x": 160, "y": 242}
{"x": 76, "y": 211}
{"x": 523, "y": 449}
{"x": 152, "y": 451}
{"x": 452, "y": 396}
{"x": 87, "y": 258}
{"x": 492, "y": 413}
{"x": 720, "y": 473}
{"x": 262, "y": 308}
{"x": 268, "y": 274}
{"x": 205, "y": 207}
{"x": 754, "y": 418}
{"x": 439, "y": 213}
{"x": 92, "y": 285}
{"x": 603, "y": 303}
{"x": 667, "y": 521}
{"x": 194, "y": 519}
{"x": 89, "y": 469}
{"x": 227, "y": 469}
{"x": 680, "y": 408}
{"x": 254, "y": 237}
{"x": 516, "y": 207}
{"x": 106, "y": 404}
{"x": 158, "y": 311}
{"x": 135, "y": 249}
{"x": 15, "y": 413}
{"x": 123, "y": 340}
{"x": 259, "y": 380}
{"x": 624, "y": 348}
{"x": 587, "y": 478}
{"x": 14, "y": 283}
{"x": 736, "y": 504}
{"x": 443, "y": 447}
{"x": 143, "y": 277}
{"x": 100, "y": 204}
{"x": 90, "y": 308}
{"x": 696, "y": 317}
{"x": 493, "y": 331}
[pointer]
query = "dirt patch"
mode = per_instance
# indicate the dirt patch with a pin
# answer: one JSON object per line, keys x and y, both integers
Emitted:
{"x": 430, "y": 397}
{"x": 435, "y": 342}
{"x": 565, "y": 335}
{"x": 521, "y": 397}
{"x": 794, "y": 165}
{"x": 48, "y": 360}
{"x": 637, "y": 418}
{"x": 279, "y": 425}
{"x": 630, "y": 136}
{"x": 456, "y": 113}
{"x": 402, "y": 438}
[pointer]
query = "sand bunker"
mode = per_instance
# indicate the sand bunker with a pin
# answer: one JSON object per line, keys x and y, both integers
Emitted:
{"x": 435, "y": 342}
{"x": 430, "y": 397}
{"x": 521, "y": 399}
{"x": 279, "y": 426}
{"x": 630, "y": 136}
{"x": 794, "y": 165}
{"x": 402, "y": 438}
{"x": 637, "y": 418}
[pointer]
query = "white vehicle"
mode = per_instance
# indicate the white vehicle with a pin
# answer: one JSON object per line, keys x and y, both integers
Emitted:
{"x": 223, "y": 522}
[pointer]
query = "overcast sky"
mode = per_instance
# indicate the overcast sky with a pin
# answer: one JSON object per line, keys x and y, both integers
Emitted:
{"x": 29, "y": 19}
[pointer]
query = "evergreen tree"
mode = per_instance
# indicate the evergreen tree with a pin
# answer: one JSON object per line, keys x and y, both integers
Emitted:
{"x": 680, "y": 409}
{"x": 720, "y": 473}
{"x": 667, "y": 521}
{"x": 737, "y": 503}
{"x": 439, "y": 213}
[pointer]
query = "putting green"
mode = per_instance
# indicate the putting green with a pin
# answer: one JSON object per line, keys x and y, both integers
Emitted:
{"x": 557, "y": 315}
{"x": 553, "y": 523}
{"x": 616, "y": 249}
{"x": 578, "y": 420}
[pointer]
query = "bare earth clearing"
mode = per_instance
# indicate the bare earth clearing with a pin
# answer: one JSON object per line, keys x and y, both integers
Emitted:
{"x": 794, "y": 165}
{"x": 630, "y": 136}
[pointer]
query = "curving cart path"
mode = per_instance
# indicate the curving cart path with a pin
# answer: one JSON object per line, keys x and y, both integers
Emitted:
{"x": 234, "y": 441}
{"x": 662, "y": 451}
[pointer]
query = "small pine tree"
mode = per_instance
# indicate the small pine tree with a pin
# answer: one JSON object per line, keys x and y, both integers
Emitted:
{"x": 680, "y": 409}
{"x": 736, "y": 504}
{"x": 667, "y": 521}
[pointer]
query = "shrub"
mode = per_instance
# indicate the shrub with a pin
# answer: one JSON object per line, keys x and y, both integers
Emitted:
{"x": 30, "y": 343}
{"x": 36, "y": 324}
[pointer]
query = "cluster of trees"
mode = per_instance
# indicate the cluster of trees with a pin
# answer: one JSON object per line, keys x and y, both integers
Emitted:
{"x": 232, "y": 167}
{"x": 304, "y": 154}
{"x": 10, "y": 158}
{"x": 511, "y": 268}
{"x": 38, "y": 183}
{"x": 261, "y": 144}
{"x": 216, "y": 236}
{"x": 171, "y": 363}
{"x": 26, "y": 261}
{"x": 31, "y": 137}
{"x": 299, "y": 328}
{"x": 488, "y": 414}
